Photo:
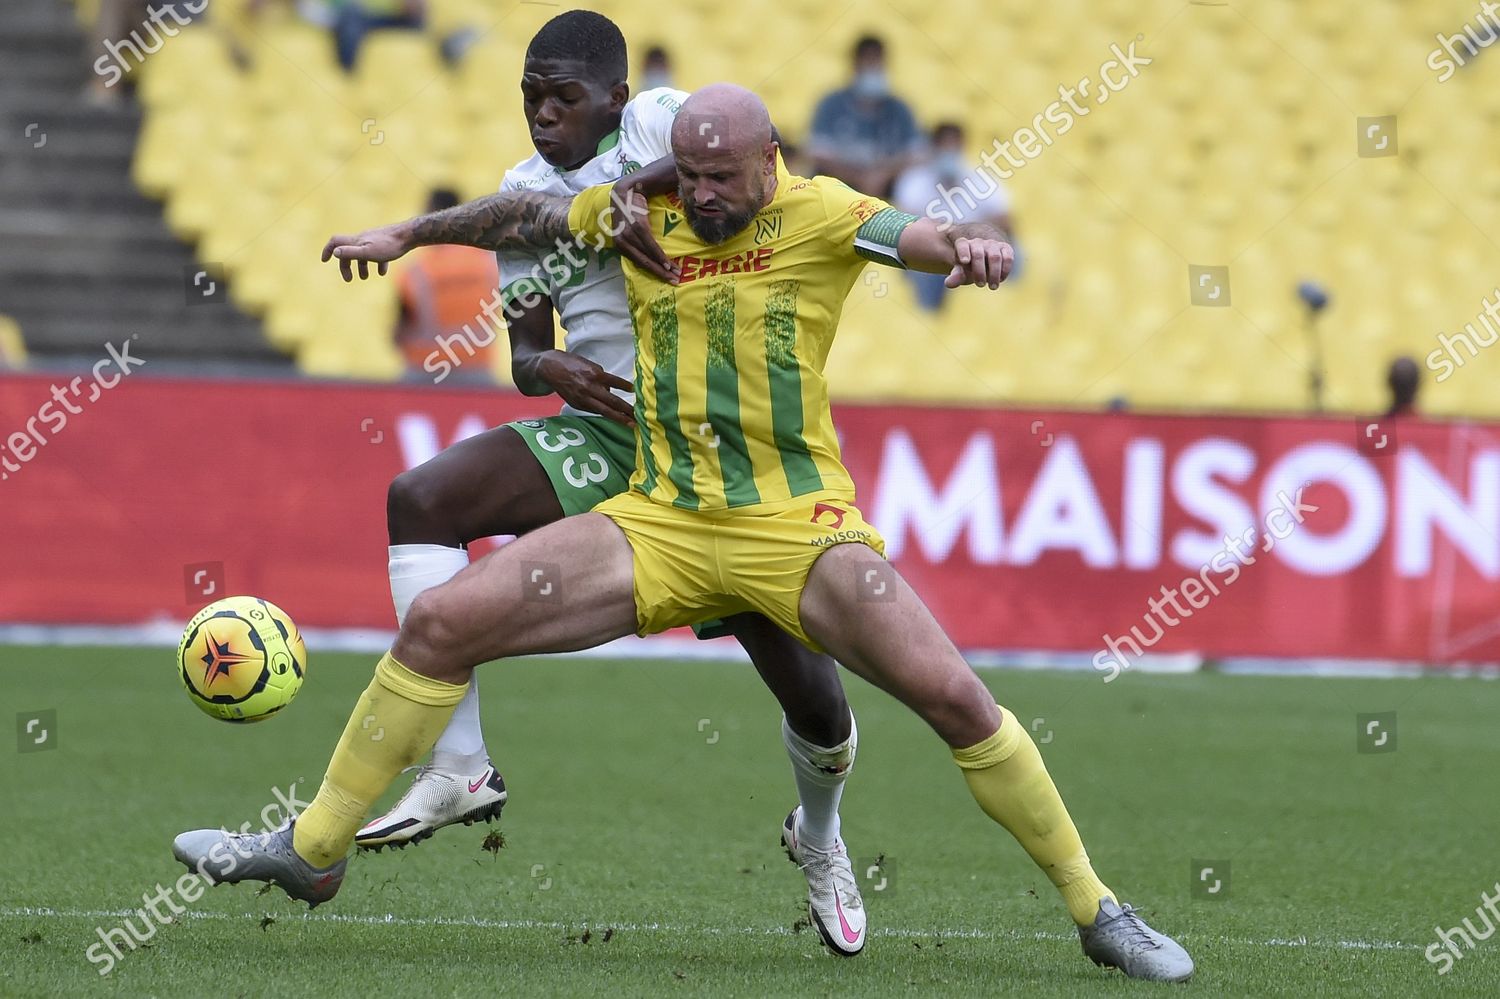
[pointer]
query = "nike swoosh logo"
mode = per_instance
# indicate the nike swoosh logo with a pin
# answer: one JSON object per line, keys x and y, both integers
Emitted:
{"x": 849, "y": 935}
{"x": 474, "y": 787}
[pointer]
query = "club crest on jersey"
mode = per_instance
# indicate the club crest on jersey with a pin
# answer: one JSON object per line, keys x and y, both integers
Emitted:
{"x": 767, "y": 228}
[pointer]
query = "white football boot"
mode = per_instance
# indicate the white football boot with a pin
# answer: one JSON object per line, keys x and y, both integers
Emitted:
{"x": 833, "y": 900}
{"x": 437, "y": 798}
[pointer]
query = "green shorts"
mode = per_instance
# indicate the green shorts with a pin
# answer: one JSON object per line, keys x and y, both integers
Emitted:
{"x": 588, "y": 459}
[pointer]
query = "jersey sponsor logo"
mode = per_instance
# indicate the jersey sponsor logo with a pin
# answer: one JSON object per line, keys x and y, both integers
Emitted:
{"x": 671, "y": 221}
{"x": 837, "y": 514}
{"x": 767, "y": 228}
{"x": 694, "y": 267}
{"x": 841, "y": 538}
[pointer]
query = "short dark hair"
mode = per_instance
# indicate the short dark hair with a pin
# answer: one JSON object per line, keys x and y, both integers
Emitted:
{"x": 868, "y": 44}
{"x": 587, "y": 37}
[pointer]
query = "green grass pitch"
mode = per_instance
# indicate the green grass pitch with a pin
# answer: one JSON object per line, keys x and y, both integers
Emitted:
{"x": 641, "y": 855}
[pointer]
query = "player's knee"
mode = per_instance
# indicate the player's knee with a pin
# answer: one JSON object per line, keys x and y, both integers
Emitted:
{"x": 431, "y": 632}
{"x": 415, "y": 506}
{"x": 962, "y": 711}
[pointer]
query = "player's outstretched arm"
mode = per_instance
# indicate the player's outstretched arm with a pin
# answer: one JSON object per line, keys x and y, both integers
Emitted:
{"x": 975, "y": 253}
{"x": 504, "y": 221}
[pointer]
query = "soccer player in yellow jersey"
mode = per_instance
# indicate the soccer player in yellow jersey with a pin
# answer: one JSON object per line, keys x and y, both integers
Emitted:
{"x": 739, "y": 502}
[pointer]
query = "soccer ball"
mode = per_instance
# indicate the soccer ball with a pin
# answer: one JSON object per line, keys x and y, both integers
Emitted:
{"x": 241, "y": 659}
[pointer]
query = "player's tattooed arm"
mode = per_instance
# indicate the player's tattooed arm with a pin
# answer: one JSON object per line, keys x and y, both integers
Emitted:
{"x": 974, "y": 253}
{"x": 508, "y": 220}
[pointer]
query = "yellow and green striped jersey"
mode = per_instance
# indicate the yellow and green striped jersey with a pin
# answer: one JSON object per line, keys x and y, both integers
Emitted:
{"x": 731, "y": 405}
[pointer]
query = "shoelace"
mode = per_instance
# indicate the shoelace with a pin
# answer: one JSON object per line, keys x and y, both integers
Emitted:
{"x": 1140, "y": 934}
{"x": 842, "y": 875}
{"x": 846, "y": 886}
{"x": 262, "y": 839}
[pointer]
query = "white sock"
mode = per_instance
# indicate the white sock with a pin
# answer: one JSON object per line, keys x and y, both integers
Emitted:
{"x": 460, "y": 748}
{"x": 415, "y": 568}
{"x": 820, "y": 774}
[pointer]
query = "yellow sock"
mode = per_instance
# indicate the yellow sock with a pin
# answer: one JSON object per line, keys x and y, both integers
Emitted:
{"x": 1006, "y": 775}
{"x": 397, "y": 720}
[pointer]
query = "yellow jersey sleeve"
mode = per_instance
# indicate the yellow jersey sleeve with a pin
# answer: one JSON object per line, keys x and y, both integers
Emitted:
{"x": 591, "y": 217}
{"x": 863, "y": 225}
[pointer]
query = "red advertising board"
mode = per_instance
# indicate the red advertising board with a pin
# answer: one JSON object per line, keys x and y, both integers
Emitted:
{"x": 1095, "y": 532}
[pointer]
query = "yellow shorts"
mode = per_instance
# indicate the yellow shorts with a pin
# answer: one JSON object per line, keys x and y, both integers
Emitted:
{"x": 692, "y": 565}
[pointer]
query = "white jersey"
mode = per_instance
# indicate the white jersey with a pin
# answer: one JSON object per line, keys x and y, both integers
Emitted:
{"x": 591, "y": 299}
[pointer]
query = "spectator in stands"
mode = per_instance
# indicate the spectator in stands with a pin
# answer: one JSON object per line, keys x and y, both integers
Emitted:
{"x": 947, "y": 187}
{"x": 656, "y": 71}
{"x": 353, "y": 19}
{"x": 444, "y": 290}
{"x": 863, "y": 134}
{"x": 1403, "y": 378}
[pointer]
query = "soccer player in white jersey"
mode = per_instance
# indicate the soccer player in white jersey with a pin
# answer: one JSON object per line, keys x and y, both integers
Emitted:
{"x": 521, "y": 476}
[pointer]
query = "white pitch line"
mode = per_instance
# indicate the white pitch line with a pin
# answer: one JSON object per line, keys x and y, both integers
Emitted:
{"x": 476, "y": 922}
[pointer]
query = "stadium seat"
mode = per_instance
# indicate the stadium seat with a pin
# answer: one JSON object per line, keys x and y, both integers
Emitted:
{"x": 197, "y": 57}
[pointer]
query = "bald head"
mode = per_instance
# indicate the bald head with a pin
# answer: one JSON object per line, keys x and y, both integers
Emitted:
{"x": 726, "y": 159}
{"x": 721, "y": 116}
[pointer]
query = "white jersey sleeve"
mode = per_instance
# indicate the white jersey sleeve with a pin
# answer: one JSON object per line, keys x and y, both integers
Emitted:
{"x": 646, "y": 124}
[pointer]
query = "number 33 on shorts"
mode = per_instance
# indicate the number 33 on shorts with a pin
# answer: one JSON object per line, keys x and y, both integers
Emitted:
{"x": 595, "y": 467}
{"x": 587, "y": 459}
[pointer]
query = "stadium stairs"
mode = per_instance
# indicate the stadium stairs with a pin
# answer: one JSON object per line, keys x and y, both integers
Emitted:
{"x": 86, "y": 258}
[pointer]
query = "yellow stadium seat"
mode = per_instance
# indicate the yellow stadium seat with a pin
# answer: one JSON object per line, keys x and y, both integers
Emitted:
{"x": 396, "y": 68}
{"x": 205, "y": 195}
{"x": 198, "y": 57}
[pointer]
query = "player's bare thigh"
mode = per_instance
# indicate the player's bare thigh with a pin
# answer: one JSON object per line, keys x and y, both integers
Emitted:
{"x": 566, "y": 586}
{"x": 489, "y": 484}
{"x": 856, "y": 605}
